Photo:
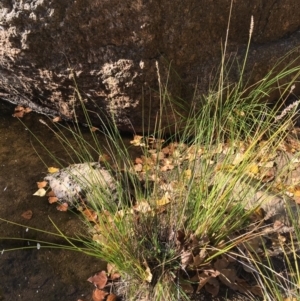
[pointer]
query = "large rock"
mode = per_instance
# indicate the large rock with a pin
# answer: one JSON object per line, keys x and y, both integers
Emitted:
{"x": 112, "y": 48}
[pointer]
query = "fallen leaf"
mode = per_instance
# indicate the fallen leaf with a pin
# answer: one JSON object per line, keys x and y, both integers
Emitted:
{"x": 112, "y": 271}
{"x": 296, "y": 199}
{"x": 99, "y": 295}
{"x": 115, "y": 276}
{"x": 142, "y": 207}
{"x": 56, "y": 119}
{"x": 239, "y": 157}
{"x": 104, "y": 158}
{"x": 138, "y": 161}
{"x": 253, "y": 169}
{"x": 297, "y": 191}
{"x": 19, "y": 114}
{"x": 99, "y": 279}
{"x": 111, "y": 297}
{"x": 52, "y": 199}
{"x": 187, "y": 174}
{"x": 42, "y": 184}
{"x": 40, "y": 192}
{"x": 62, "y": 207}
{"x": 137, "y": 141}
{"x": 28, "y": 110}
{"x": 53, "y": 169}
{"x": 19, "y": 108}
{"x": 212, "y": 286}
{"x": 94, "y": 129}
{"x": 268, "y": 164}
{"x": 27, "y": 214}
{"x": 148, "y": 276}
{"x": 138, "y": 167}
{"x": 163, "y": 201}
{"x": 20, "y": 111}
{"x": 90, "y": 215}
{"x": 186, "y": 258}
{"x": 51, "y": 193}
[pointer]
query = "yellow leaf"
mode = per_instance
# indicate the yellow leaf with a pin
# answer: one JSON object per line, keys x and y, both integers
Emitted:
{"x": 187, "y": 174}
{"x": 253, "y": 168}
{"x": 53, "y": 169}
{"x": 297, "y": 192}
{"x": 163, "y": 201}
{"x": 40, "y": 192}
{"x": 148, "y": 275}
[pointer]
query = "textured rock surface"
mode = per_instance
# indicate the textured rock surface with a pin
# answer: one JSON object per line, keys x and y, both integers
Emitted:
{"x": 112, "y": 46}
{"x": 80, "y": 181}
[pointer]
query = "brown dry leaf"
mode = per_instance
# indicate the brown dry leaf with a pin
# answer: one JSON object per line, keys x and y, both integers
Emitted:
{"x": 228, "y": 277}
{"x": 138, "y": 161}
{"x": 19, "y": 108}
{"x": 62, "y": 207}
{"x": 56, "y": 119}
{"x": 19, "y": 114}
{"x": 99, "y": 295}
{"x": 115, "y": 276}
{"x": 111, "y": 268}
{"x": 137, "y": 141}
{"x": 42, "y": 184}
{"x": 212, "y": 286}
{"x": 27, "y": 110}
{"x": 50, "y": 193}
{"x": 20, "y": 111}
{"x": 138, "y": 167}
{"x": 186, "y": 287}
{"x": 268, "y": 176}
{"x": 112, "y": 272}
{"x": 99, "y": 279}
{"x": 52, "y": 199}
{"x": 94, "y": 129}
{"x": 221, "y": 263}
{"x": 104, "y": 158}
{"x": 198, "y": 259}
{"x": 27, "y": 214}
{"x": 53, "y": 169}
{"x": 111, "y": 297}
{"x": 91, "y": 215}
{"x": 166, "y": 150}
{"x": 186, "y": 258}
{"x": 203, "y": 279}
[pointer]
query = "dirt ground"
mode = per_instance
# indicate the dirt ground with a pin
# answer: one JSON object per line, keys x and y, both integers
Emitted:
{"x": 32, "y": 274}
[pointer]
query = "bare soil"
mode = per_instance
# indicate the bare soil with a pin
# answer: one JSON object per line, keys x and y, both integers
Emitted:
{"x": 32, "y": 274}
